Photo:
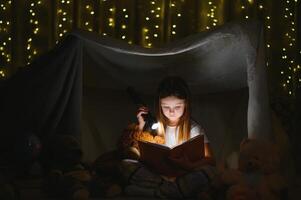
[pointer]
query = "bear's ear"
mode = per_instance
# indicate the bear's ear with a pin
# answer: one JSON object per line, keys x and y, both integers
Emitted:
{"x": 244, "y": 141}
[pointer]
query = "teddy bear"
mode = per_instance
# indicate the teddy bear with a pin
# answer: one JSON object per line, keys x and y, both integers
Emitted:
{"x": 66, "y": 174}
{"x": 128, "y": 142}
{"x": 108, "y": 180}
{"x": 258, "y": 175}
{"x": 261, "y": 164}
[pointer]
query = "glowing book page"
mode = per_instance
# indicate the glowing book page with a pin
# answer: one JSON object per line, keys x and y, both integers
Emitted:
{"x": 155, "y": 156}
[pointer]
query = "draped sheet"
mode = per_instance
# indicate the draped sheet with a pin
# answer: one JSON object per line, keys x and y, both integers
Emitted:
{"x": 79, "y": 87}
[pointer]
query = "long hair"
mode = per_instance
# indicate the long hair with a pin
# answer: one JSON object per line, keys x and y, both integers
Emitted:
{"x": 174, "y": 86}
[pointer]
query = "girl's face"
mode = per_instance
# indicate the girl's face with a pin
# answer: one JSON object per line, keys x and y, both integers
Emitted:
{"x": 173, "y": 108}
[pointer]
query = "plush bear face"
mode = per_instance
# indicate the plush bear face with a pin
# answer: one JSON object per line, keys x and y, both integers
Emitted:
{"x": 256, "y": 155}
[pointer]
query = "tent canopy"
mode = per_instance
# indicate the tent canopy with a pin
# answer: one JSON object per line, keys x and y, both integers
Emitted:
{"x": 79, "y": 87}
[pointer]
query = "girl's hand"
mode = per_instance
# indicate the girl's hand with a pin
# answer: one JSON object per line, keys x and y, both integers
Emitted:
{"x": 142, "y": 110}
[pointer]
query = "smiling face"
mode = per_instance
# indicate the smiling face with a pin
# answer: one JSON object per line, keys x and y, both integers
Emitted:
{"x": 173, "y": 108}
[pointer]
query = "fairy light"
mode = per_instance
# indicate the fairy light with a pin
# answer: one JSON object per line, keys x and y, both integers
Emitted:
{"x": 175, "y": 15}
{"x": 125, "y": 23}
{"x": 64, "y": 18}
{"x": 290, "y": 71}
{"x": 151, "y": 32}
{"x": 5, "y": 39}
{"x": 152, "y": 20}
{"x": 87, "y": 15}
{"x": 108, "y": 14}
{"x": 2, "y": 74}
{"x": 212, "y": 18}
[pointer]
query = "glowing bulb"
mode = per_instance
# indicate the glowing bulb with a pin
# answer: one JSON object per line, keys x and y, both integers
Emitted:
{"x": 155, "y": 126}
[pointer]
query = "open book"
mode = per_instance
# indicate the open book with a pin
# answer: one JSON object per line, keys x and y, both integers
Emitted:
{"x": 155, "y": 156}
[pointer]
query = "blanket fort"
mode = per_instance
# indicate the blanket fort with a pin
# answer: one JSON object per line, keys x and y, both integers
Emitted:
{"x": 78, "y": 87}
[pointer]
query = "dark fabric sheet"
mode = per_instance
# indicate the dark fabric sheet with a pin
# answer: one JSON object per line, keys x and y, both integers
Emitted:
{"x": 79, "y": 87}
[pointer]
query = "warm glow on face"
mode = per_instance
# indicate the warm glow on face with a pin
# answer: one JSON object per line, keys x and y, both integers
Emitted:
{"x": 173, "y": 108}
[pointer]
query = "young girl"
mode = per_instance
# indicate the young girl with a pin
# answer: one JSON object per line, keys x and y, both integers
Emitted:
{"x": 175, "y": 127}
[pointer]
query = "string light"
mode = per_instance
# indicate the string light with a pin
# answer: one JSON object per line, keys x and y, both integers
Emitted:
{"x": 290, "y": 71}
{"x": 151, "y": 32}
{"x": 5, "y": 39}
{"x": 88, "y": 15}
{"x": 156, "y": 27}
{"x": 64, "y": 18}
{"x": 108, "y": 16}
{"x": 124, "y": 31}
{"x": 34, "y": 30}
{"x": 212, "y": 20}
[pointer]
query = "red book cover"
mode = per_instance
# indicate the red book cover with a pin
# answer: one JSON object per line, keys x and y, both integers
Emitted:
{"x": 155, "y": 156}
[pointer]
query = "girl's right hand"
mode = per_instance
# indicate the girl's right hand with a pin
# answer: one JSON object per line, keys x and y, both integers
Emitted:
{"x": 142, "y": 110}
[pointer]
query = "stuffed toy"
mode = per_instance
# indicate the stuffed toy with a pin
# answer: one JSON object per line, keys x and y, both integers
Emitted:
{"x": 258, "y": 175}
{"x": 108, "y": 181}
{"x": 67, "y": 176}
{"x": 128, "y": 143}
{"x": 263, "y": 158}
